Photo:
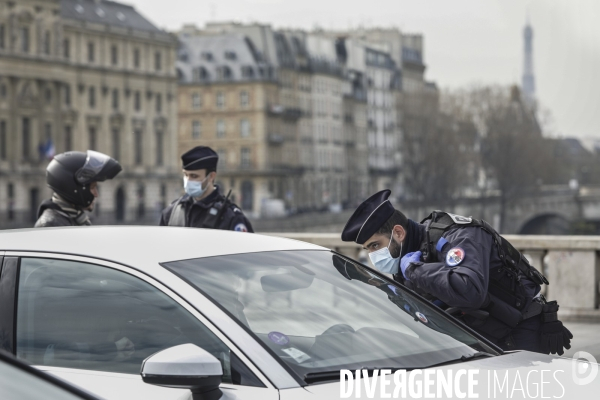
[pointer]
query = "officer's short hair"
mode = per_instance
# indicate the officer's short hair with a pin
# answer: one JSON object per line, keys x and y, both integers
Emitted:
{"x": 397, "y": 218}
{"x": 209, "y": 170}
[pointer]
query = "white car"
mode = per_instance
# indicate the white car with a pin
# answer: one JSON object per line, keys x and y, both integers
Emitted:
{"x": 154, "y": 312}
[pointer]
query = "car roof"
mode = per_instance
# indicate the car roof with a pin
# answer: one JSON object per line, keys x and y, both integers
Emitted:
{"x": 144, "y": 245}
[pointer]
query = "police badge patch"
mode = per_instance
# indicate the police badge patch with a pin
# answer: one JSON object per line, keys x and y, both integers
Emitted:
{"x": 240, "y": 228}
{"x": 455, "y": 256}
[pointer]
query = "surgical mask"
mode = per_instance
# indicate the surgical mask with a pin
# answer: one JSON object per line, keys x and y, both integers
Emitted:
{"x": 194, "y": 188}
{"x": 382, "y": 259}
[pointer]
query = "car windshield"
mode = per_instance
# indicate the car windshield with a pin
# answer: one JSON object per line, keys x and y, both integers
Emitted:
{"x": 320, "y": 312}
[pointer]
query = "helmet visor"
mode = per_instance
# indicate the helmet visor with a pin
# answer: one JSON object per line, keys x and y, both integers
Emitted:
{"x": 94, "y": 163}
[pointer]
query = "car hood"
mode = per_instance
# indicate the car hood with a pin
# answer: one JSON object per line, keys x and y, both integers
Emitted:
{"x": 514, "y": 375}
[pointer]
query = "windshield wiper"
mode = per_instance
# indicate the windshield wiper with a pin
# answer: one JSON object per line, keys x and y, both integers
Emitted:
{"x": 312, "y": 377}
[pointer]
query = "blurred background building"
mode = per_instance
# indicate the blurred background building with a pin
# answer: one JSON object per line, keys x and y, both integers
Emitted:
{"x": 78, "y": 75}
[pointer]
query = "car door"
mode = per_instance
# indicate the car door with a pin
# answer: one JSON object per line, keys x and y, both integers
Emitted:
{"x": 92, "y": 323}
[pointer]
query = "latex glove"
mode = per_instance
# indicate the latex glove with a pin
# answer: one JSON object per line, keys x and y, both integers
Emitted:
{"x": 407, "y": 260}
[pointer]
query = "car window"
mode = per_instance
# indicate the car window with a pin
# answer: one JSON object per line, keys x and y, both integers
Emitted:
{"x": 78, "y": 315}
{"x": 318, "y": 311}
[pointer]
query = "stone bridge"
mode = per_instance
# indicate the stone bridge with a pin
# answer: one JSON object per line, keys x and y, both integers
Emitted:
{"x": 552, "y": 210}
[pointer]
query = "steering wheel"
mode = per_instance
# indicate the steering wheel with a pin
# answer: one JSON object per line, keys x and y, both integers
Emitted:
{"x": 338, "y": 328}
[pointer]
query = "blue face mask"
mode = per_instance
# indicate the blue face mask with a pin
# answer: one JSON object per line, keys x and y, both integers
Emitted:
{"x": 194, "y": 188}
{"x": 382, "y": 259}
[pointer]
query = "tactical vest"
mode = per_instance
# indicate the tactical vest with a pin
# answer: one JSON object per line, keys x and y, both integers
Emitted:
{"x": 507, "y": 302}
{"x": 213, "y": 218}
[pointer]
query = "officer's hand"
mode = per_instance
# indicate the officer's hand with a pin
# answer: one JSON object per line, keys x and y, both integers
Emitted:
{"x": 407, "y": 260}
{"x": 554, "y": 335}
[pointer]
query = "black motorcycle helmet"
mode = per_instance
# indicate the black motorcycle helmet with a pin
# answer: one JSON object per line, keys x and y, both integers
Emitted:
{"x": 70, "y": 174}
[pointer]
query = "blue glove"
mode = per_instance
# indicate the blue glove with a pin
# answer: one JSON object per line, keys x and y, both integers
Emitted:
{"x": 410, "y": 258}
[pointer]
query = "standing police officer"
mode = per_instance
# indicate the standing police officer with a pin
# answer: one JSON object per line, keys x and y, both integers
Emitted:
{"x": 74, "y": 177}
{"x": 203, "y": 206}
{"x": 464, "y": 266}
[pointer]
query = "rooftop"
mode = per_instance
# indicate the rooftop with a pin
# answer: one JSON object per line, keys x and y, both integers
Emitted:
{"x": 107, "y": 13}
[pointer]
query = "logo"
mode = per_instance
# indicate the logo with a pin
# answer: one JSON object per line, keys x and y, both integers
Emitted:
{"x": 455, "y": 256}
{"x": 421, "y": 317}
{"x": 585, "y": 368}
{"x": 459, "y": 219}
{"x": 240, "y": 228}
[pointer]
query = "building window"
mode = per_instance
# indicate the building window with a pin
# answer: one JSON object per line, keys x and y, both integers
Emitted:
{"x": 25, "y": 40}
{"x": 114, "y": 54}
{"x": 220, "y": 128}
{"x": 91, "y": 52}
{"x": 92, "y": 138}
{"x": 196, "y": 129}
{"x": 158, "y": 103}
{"x": 244, "y": 99}
{"x": 67, "y": 93}
{"x": 2, "y": 140}
{"x": 245, "y": 157}
{"x": 138, "y": 151}
{"x": 157, "y": 61}
{"x": 196, "y": 101}
{"x": 136, "y": 58}
{"x": 47, "y": 42}
{"x": 66, "y": 49}
{"x": 48, "y": 95}
{"x": 159, "y": 148}
{"x": 3, "y": 91}
{"x": 48, "y": 131}
{"x": 220, "y": 100}
{"x": 141, "y": 195}
{"x": 115, "y": 99}
{"x": 68, "y": 138}
{"x": 92, "y": 97}
{"x": 244, "y": 128}
{"x": 2, "y": 36}
{"x": 116, "y": 143}
{"x": 222, "y": 153}
{"x": 137, "y": 101}
{"x": 25, "y": 137}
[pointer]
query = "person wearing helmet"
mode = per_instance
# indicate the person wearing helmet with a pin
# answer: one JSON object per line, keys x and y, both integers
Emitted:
{"x": 74, "y": 177}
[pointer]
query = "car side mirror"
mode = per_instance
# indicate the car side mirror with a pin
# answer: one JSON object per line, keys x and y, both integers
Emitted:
{"x": 186, "y": 366}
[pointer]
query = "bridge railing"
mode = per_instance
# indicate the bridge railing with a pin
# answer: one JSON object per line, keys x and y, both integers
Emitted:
{"x": 571, "y": 264}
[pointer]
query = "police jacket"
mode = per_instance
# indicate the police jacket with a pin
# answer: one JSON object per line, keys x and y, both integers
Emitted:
{"x": 212, "y": 212}
{"x": 56, "y": 212}
{"x": 468, "y": 274}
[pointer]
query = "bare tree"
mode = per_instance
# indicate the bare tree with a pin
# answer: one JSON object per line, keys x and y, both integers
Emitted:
{"x": 437, "y": 152}
{"x": 513, "y": 152}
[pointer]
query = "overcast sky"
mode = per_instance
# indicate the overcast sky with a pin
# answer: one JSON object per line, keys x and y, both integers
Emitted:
{"x": 466, "y": 41}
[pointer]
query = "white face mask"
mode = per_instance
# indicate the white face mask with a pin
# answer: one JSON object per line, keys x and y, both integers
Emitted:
{"x": 194, "y": 188}
{"x": 382, "y": 259}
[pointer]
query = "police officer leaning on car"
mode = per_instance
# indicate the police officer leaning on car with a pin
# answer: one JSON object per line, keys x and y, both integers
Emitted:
{"x": 203, "y": 205}
{"x": 464, "y": 266}
{"x": 74, "y": 177}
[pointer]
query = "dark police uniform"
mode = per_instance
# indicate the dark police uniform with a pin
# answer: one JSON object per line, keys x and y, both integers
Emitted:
{"x": 214, "y": 211}
{"x": 205, "y": 213}
{"x": 471, "y": 274}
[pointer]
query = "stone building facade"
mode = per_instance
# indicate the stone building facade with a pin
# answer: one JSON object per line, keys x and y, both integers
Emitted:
{"x": 78, "y": 75}
{"x": 299, "y": 98}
